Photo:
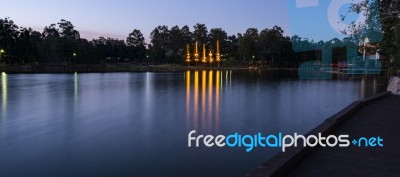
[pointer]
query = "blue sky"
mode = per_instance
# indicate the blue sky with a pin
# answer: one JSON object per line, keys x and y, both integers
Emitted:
{"x": 320, "y": 19}
{"x": 119, "y": 17}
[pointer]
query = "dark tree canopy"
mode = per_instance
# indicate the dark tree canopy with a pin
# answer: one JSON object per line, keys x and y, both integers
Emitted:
{"x": 200, "y": 33}
{"x": 135, "y": 39}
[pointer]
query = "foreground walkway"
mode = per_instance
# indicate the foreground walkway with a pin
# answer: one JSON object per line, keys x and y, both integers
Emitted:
{"x": 381, "y": 118}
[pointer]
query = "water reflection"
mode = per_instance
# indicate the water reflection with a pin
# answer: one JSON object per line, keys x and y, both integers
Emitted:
{"x": 76, "y": 83}
{"x": 203, "y": 112}
{"x": 210, "y": 96}
{"x": 138, "y": 119}
{"x": 75, "y": 87}
{"x": 187, "y": 76}
{"x": 148, "y": 98}
{"x": 203, "y": 99}
{"x": 4, "y": 95}
{"x": 196, "y": 98}
{"x": 369, "y": 86}
{"x": 217, "y": 88}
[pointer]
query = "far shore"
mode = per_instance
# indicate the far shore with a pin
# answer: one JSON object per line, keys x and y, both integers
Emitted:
{"x": 124, "y": 68}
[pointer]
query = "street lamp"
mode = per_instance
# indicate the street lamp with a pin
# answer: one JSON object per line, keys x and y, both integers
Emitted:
{"x": 366, "y": 41}
{"x": 74, "y": 59}
{"x": 1, "y": 53}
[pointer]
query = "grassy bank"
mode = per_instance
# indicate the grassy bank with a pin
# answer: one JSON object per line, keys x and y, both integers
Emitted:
{"x": 118, "y": 68}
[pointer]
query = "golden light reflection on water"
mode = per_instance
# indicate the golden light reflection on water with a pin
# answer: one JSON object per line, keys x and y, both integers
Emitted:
{"x": 218, "y": 88}
{"x": 203, "y": 99}
{"x": 210, "y": 97}
{"x": 187, "y": 77}
{"x": 196, "y": 98}
{"x": 204, "y": 115}
{"x": 4, "y": 95}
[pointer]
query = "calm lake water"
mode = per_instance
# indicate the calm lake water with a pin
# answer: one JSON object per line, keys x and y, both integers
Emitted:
{"x": 136, "y": 124}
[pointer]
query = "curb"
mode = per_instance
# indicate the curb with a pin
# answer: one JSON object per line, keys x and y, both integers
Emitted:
{"x": 281, "y": 163}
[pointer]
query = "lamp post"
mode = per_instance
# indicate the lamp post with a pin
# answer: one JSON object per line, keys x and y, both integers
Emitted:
{"x": 366, "y": 41}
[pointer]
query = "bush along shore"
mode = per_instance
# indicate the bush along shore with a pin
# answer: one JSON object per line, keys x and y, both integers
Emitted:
{"x": 124, "y": 68}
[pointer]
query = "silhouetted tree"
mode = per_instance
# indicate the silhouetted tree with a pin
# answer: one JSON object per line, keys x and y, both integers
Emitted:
{"x": 176, "y": 44}
{"x": 136, "y": 45}
{"x": 187, "y": 35}
{"x": 8, "y": 37}
{"x": 247, "y": 44}
{"x": 232, "y": 48}
{"x": 200, "y": 33}
{"x": 218, "y": 34}
{"x": 159, "y": 40}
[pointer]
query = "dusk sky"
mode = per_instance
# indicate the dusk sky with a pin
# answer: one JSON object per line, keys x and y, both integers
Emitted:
{"x": 307, "y": 18}
{"x": 118, "y": 18}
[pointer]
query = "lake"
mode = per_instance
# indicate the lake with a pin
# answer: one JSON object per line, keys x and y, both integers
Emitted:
{"x": 136, "y": 124}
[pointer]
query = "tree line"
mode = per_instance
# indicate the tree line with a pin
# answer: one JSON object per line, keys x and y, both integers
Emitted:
{"x": 61, "y": 43}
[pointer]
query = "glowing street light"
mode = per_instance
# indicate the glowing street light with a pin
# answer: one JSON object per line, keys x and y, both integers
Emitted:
{"x": 204, "y": 58}
{"x": 187, "y": 53}
{"x": 366, "y": 41}
{"x": 196, "y": 52}
{"x": 218, "y": 55}
{"x": 210, "y": 55}
{"x": 1, "y": 53}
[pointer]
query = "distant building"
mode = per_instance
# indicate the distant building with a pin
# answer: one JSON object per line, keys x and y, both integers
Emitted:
{"x": 374, "y": 55}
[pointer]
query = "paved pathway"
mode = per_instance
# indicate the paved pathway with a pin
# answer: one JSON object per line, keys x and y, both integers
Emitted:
{"x": 381, "y": 118}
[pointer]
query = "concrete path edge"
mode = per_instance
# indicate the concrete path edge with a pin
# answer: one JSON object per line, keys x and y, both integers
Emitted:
{"x": 281, "y": 163}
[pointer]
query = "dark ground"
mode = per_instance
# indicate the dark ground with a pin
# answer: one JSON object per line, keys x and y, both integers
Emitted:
{"x": 381, "y": 118}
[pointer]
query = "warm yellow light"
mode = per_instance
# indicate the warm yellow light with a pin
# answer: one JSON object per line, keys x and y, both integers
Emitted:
{"x": 210, "y": 55}
{"x": 196, "y": 52}
{"x": 187, "y": 53}
{"x": 203, "y": 95}
{"x": 204, "y": 58}
{"x": 1, "y": 51}
{"x": 196, "y": 98}
{"x": 217, "y": 55}
{"x": 188, "y": 93}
